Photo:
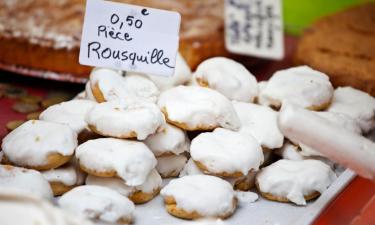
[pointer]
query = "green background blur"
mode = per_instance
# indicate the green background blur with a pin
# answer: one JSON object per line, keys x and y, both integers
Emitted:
{"x": 300, "y": 13}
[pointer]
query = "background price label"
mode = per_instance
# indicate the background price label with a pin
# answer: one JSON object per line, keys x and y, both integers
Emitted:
{"x": 129, "y": 37}
{"x": 254, "y": 27}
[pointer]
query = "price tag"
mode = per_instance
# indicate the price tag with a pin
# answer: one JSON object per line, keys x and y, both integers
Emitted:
{"x": 254, "y": 27}
{"x": 129, "y": 37}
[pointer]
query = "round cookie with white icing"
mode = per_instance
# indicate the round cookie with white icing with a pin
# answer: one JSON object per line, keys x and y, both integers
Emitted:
{"x": 171, "y": 140}
{"x": 40, "y": 145}
{"x": 133, "y": 119}
{"x": 138, "y": 194}
{"x": 226, "y": 153}
{"x": 294, "y": 181}
{"x": 140, "y": 87}
{"x": 197, "y": 196}
{"x": 198, "y": 108}
{"x": 301, "y": 86}
{"x": 71, "y": 113}
{"x": 95, "y": 202}
{"x": 228, "y": 77}
{"x": 26, "y": 180}
{"x": 109, "y": 157}
{"x": 243, "y": 183}
{"x": 260, "y": 122}
{"x": 64, "y": 178}
{"x": 21, "y": 207}
{"x": 171, "y": 165}
{"x": 110, "y": 85}
{"x": 181, "y": 76}
{"x": 355, "y": 103}
{"x": 107, "y": 85}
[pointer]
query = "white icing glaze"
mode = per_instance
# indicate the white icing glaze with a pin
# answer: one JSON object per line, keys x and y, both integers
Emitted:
{"x": 18, "y": 178}
{"x": 152, "y": 183}
{"x": 64, "y": 175}
{"x": 71, "y": 113}
{"x": 260, "y": 99}
{"x": 141, "y": 88}
{"x": 262, "y": 85}
{"x": 97, "y": 202}
{"x": 117, "y": 118}
{"x": 356, "y": 104}
{"x": 245, "y": 197}
{"x": 295, "y": 179}
{"x": 113, "y": 183}
{"x": 228, "y": 77}
{"x": 182, "y": 75}
{"x": 190, "y": 168}
{"x": 207, "y": 195}
{"x": 260, "y": 122}
{"x": 89, "y": 95}
{"x": 170, "y": 139}
{"x": 115, "y": 87}
{"x": 131, "y": 160}
{"x": 341, "y": 145}
{"x": 289, "y": 151}
{"x": 68, "y": 175}
{"x": 227, "y": 151}
{"x": 110, "y": 83}
{"x": 34, "y": 140}
{"x": 19, "y": 207}
{"x": 301, "y": 85}
{"x": 197, "y": 106}
{"x": 172, "y": 164}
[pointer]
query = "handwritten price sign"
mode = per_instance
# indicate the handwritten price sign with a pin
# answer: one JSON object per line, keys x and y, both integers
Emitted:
{"x": 254, "y": 27}
{"x": 128, "y": 37}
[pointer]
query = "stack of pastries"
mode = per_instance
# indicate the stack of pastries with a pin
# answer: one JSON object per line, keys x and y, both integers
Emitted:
{"x": 211, "y": 135}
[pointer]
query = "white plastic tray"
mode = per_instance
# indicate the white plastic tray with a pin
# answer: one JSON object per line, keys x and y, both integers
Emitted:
{"x": 261, "y": 212}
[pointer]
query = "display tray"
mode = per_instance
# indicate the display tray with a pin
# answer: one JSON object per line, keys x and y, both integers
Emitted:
{"x": 260, "y": 212}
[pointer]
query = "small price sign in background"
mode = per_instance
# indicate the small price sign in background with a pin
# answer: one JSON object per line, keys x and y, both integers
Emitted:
{"x": 129, "y": 37}
{"x": 255, "y": 28}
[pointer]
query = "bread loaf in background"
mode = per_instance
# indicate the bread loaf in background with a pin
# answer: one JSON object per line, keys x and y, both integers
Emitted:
{"x": 342, "y": 45}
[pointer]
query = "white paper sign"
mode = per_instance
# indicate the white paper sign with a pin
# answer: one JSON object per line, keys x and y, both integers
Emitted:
{"x": 254, "y": 27}
{"x": 129, "y": 37}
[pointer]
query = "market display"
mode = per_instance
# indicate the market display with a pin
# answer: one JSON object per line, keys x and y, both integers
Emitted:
{"x": 210, "y": 145}
{"x": 138, "y": 147}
